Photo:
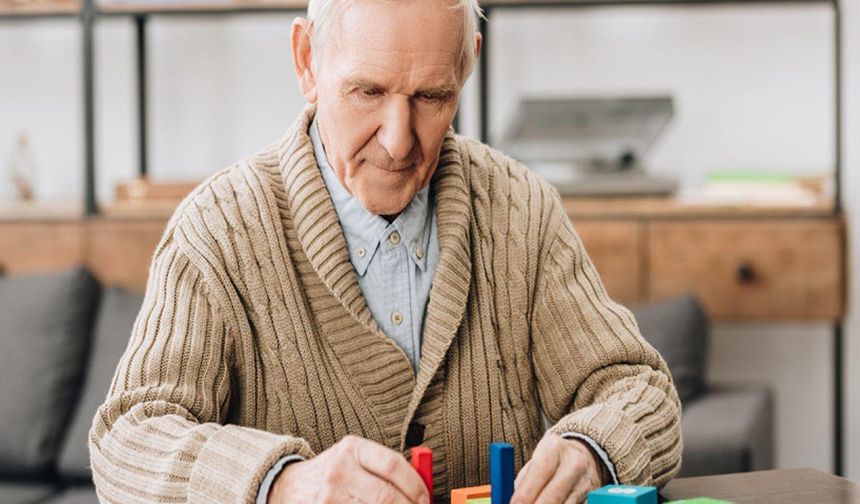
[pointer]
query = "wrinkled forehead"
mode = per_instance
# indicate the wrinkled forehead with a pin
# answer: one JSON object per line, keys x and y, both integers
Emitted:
{"x": 418, "y": 37}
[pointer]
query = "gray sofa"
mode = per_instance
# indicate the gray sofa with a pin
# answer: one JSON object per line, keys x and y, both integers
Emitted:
{"x": 725, "y": 430}
{"x": 62, "y": 334}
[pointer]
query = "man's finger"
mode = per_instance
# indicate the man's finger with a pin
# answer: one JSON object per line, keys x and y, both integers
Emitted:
{"x": 559, "y": 488}
{"x": 542, "y": 467}
{"x": 392, "y": 467}
{"x": 580, "y": 491}
{"x": 521, "y": 475}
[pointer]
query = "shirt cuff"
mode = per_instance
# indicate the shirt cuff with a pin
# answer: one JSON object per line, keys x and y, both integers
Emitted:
{"x": 266, "y": 485}
{"x": 604, "y": 457}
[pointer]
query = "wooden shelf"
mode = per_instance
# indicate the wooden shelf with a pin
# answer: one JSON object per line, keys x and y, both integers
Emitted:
{"x": 191, "y": 7}
{"x": 39, "y": 8}
{"x": 603, "y": 3}
{"x": 744, "y": 263}
{"x": 201, "y": 7}
{"x": 623, "y": 207}
{"x": 577, "y": 208}
{"x": 41, "y": 211}
{"x": 144, "y": 210}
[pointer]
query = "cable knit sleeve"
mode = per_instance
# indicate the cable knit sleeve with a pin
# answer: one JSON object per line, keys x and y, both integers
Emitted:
{"x": 160, "y": 435}
{"x": 596, "y": 374}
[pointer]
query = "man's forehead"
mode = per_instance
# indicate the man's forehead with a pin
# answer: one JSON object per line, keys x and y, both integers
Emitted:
{"x": 363, "y": 66}
{"x": 384, "y": 30}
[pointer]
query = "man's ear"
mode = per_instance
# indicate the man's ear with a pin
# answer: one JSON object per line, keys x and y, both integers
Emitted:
{"x": 300, "y": 35}
{"x": 479, "y": 38}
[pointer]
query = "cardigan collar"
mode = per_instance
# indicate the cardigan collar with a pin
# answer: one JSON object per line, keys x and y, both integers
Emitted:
{"x": 321, "y": 236}
{"x": 365, "y": 231}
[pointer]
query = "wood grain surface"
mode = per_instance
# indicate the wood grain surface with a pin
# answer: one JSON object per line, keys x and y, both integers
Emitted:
{"x": 755, "y": 269}
{"x": 783, "y": 486}
{"x": 617, "y": 250}
{"x": 742, "y": 265}
{"x": 28, "y": 247}
{"x": 39, "y": 7}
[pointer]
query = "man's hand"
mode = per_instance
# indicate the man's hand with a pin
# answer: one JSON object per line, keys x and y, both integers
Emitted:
{"x": 560, "y": 471}
{"x": 353, "y": 470}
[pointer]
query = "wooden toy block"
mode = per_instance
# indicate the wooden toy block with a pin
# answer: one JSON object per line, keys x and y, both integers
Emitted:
{"x": 422, "y": 461}
{"x": 701, "y": 500}
{"x": 501, "y": 473}
{"x": 482, "y": 500}
{"x": 623, "y": 494}
{"x": 466, "y": 495}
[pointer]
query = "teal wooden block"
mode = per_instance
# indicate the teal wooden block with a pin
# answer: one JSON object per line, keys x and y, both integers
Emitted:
{"x": 623, "y": 494}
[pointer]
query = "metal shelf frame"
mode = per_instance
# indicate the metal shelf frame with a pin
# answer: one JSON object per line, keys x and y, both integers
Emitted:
{"x": 837, "y": 355}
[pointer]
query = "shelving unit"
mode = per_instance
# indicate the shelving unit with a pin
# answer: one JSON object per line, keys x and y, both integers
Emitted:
{"x": 196, "y": 8}
{"x": 87, "y": 12}
{"x": 835, "y": 212}
{"x": 39, "y": 9}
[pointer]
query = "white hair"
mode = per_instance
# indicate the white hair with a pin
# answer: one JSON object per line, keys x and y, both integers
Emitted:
{"x": 321, "y": 14}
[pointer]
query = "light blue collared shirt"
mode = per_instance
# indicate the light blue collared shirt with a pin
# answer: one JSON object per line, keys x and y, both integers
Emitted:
{"x": 394, "y": 273}
{"x": 394, "y": 261}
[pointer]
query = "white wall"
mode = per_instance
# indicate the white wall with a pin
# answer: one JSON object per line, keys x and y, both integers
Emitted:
{"x": 752, "y": 88}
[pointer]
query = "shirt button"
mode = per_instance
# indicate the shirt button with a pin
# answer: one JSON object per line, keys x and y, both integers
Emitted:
{"x": 396, "y": 317}
{"x": 394, "y": 238}
{"x": 419, "y": 253}
{"x": 360, "y": 251}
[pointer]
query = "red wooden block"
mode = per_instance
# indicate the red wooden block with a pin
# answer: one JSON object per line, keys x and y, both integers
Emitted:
{"x": 422, "y": 461}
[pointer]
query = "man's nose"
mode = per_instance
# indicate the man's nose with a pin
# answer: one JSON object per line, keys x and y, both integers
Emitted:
{"x": 395, "y": 134}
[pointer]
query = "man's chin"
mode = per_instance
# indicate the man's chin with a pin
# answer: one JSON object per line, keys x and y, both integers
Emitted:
{"x": 384, "y": 208}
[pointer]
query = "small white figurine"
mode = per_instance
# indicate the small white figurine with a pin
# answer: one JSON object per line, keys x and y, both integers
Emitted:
{"x": 22, "y": 170}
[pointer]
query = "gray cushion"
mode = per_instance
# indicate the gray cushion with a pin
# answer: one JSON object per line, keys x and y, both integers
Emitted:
{"x": 45, "y": 325}
{"x": 727, "y": 431}
{"x": 75, "y": 495}
{"x": 24, "y": 493}
{"x": 117, "y": 312}
{"x": 678, "y": 329}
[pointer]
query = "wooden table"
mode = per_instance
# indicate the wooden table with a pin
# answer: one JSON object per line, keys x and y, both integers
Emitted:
{"x": 784, "y": 486}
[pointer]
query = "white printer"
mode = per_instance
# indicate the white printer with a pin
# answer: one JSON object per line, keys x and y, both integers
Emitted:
{"x": 591, "y": 146}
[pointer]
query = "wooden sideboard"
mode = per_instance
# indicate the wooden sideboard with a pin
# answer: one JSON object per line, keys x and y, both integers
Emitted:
{"x": 743, "y": 263}
{"x": 116, "y": 246}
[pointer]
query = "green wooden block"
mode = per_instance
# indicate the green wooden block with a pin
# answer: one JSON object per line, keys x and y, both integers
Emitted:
{"x": 700, "y": 500}
{"x": 480, "y": 500}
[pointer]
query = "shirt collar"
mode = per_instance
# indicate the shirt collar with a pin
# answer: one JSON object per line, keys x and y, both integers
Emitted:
{"x": 365, "y": 232}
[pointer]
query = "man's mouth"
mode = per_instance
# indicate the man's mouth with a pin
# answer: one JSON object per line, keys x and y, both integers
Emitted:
{"x": 393, "y": 168}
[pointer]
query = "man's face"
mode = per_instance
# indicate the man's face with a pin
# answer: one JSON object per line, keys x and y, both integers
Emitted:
{"x": 386, "y": 81}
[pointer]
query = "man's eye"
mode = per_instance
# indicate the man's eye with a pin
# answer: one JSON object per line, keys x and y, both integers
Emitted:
{"x": 371, "y": 93}
{"x": 431, "y": 98}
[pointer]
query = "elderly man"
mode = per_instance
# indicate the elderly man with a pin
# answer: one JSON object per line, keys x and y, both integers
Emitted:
{"x": 374, "y": 282}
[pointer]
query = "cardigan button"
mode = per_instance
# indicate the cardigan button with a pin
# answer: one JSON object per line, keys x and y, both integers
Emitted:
{"x": 414, "y": 435}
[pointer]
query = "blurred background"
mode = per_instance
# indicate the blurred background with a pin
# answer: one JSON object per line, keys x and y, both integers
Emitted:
{"x": 696, "y": 145}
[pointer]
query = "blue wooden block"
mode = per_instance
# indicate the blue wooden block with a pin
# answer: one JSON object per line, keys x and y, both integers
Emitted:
{"x": 501, "y": 473}
{"x": 623, "y": 494}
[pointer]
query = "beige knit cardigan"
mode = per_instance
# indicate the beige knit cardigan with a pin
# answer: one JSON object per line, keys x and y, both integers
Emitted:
{"x": 254, "y": 340}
